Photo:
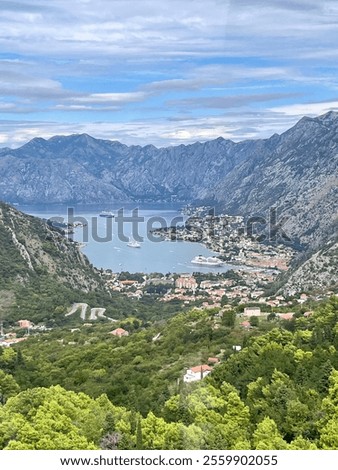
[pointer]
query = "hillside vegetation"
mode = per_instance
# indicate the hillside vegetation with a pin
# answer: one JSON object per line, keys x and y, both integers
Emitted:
{"x": 42, "y": 274}
{"x": 279, "y": 392}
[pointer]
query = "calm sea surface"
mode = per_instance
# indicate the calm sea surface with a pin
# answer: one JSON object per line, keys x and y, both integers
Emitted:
{"x": 105, "y": 249}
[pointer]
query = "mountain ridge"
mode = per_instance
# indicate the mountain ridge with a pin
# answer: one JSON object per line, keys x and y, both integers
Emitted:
{"x": 296, "y": 172}
{"x": 299, "y": 176}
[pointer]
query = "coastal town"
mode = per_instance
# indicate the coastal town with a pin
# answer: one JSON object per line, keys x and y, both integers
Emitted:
{"x": 253, "y": 264}
{"x": 248, "y": 287}
{"x": 221, "y": 290}
{"x": 242, "y": 291}
{"x": 236, "y": 241}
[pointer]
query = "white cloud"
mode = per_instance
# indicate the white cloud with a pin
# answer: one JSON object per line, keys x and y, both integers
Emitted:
{"x": 129, "y": 58}
{"x": 161, "y": 133}
{"x": 110, "y": 98}
{"x": 123, "y": 28}
{"x": 168, "y": 28}
{"x": 227, "y": 102}
{"x": 307, "y": 109}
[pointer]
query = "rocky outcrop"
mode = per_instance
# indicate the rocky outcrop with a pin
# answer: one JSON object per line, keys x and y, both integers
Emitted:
{"x": 30, "y": 248}
{"x": 318, "y": 273}
{"x": 297, "y": 173}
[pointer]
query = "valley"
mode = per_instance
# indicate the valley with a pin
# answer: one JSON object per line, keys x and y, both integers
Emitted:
{"x": 168, "y": 234}
{"x": 195, "y": 353}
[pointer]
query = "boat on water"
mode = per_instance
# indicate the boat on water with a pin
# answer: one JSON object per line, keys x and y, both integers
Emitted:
{"x": 107, "y": 214}
{"x": 209, "y": 261}
{"x": 133, "y": 243}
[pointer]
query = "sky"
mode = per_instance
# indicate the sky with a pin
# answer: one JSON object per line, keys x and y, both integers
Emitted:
{"x": 164, "y": 72}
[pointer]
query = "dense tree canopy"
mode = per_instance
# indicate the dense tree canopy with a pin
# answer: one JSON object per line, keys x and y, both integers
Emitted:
{"x": 279, "y": 392}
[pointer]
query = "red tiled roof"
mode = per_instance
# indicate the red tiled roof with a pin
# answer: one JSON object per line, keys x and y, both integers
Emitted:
{"x": 213, "y": 359}
{"x": 286, "y": 316}
{"x": 202, "y": 367}
{"x": 118, "y": 331}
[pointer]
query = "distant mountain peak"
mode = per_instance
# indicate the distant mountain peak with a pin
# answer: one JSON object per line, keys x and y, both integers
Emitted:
{"x": 79, "y": 137}
{"x": 329, "y": 113}
{"x": 38, "y": 139}
{"x": 330, "y": 116}
{"x": 295, "y": 171}
{"x": 84, "y": 136}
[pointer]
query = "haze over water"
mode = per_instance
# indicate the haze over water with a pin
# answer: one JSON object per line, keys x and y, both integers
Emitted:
{"x": 161, "y": 256}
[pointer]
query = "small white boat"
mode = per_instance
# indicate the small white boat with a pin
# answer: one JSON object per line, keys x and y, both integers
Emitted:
{"x": 133, "y": 243}
{"x": 107, "y": 214}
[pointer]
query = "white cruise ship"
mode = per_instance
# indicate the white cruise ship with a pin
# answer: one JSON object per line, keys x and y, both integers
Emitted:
{"x": 210, "y": 261}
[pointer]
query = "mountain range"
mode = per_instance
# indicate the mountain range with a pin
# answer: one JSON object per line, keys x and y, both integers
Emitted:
{"x": 296, "y": 172}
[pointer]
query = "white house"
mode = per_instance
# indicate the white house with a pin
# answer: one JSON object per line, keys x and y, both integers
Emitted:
{"x": 252, "y": 312}
{"x": 197, "y": 373}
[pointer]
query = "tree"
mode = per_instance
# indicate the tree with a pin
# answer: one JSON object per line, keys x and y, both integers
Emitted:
{"x": 53, "y": 418}
{"x": 291, "y": 407}
{"x": 236, "y": 418}
{"x": 272, "y": 316}
{"x": 139, "y": 437}
{"x": 229, "y": 318}
{"x": 7, "y": 299}
{"x": 254, "y": 321}
{"x": 154, "y": 432}
{"x": 328, "y": 426}
{"x": 302, "y": 444}
{"x": 267, "y": 437}
{"x": 8, "y": 360}
{"x": 224, "y": 300}
{"x": 8, "y": 387}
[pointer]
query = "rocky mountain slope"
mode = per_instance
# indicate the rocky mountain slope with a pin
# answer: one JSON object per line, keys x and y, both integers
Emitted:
{"x": 30, "y": 249}
{"x": 317, "y": 273}
{"x": 297, "y": 172}
{"x": 80, "y": 168}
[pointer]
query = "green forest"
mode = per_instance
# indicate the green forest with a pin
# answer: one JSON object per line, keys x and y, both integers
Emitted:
{"x": 83, "y": 388}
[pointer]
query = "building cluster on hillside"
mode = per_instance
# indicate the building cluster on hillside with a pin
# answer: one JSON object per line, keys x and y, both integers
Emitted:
{"x": 234, "y": 239}
{"x": 244, "y": 286}
{"x": 242, "y": 290}
{"x": 130, "y": 287}
{"x": 10, "y": 339}
{"x": 197, "y": 373}
{"x": 251, "y": 312}
{"x": 24, "y": 327}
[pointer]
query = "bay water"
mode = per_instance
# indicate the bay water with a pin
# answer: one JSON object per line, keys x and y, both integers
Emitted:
{"x": 105, "y": 240}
